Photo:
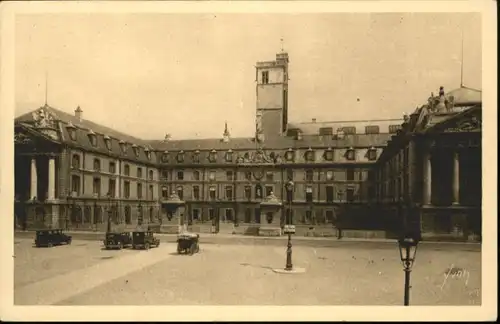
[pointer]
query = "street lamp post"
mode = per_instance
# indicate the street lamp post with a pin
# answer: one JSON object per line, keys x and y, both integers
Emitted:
{"x": 108, "y": 228}
{"x": 139, "y": 210}
{"x": 408, "y": 250}
{"x": 289, "y": 188}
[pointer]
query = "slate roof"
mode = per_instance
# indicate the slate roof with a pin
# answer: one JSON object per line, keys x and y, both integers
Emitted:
{"x": 83, "y": 128}
{"x": 85, "y": 124}
{"x": 313, "y": 128}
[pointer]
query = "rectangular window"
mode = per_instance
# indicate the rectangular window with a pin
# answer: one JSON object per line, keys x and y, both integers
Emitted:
{"x": 289, "y": 174}
{"x": 196, "y": 175}
{"x": 196, "y": 192}
{"x": 229, "y": 215}
{"x": 309, "y": 194}
{"x": 329, "y": 194}
{"x": 112, "y": 167}
{"x": 75, "y": 184}
{"x": 212, "y": 193}
{"x": 164, "y": 174}
{"x": 139, "y": 173}
{"x": 269, "y": 189}
{"x": 350, "y": 194}
{"x": 248, "y": 215}
{"x": 308, "y": 216}
{"x": 126, "y": 189}
{"x": 164, "y": 192}
{"x": 139, "y": 190}
{"x": 349, "y": 175}
{"x": 265, "y": 77}
{"x": 269, "y": 176}
{"x": 112, "y": 187}
{"x": 229, "y": 193}
{"x": 248, "y": 192}
{"x": 180, "y": 175}
{"x": 97, "y": 187}
{"x": 196, "y": 214}
{"x": 151, "y": 193}
{"x": 180, "y": 193}
{"x": 248, "y": 175}
{"x": 329, "y": 216}
{"x": 229, "y": 175}
{"x": 211, "y": 213}
{"x": 309, "y": 175}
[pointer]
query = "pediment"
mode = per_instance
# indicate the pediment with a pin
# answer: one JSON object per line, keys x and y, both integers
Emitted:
{"x": 464, "y": 123}
{"x": 26, "y": 136}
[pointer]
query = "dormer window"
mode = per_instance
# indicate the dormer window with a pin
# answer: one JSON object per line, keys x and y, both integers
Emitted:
{"x": 165, "y": 156}
{"x": 372, "y": 154}
{"x": 309, "y": 155}
{"x": 328, "y": 155}
{"x": 147, "y": 152}
{"x": 71, "y": 131}
{"x": 196, "y": 156}
{"x": 136, "y": 149}
{"x": 180, "y": 157}
{"x": 290, "y": 155}
{"x": 92, "y": 138}
{"x": 107, "y": 141}
{"x": 350, "y": 154}
{"x": 229, "y": 156}
{"x": 123, "y": 147}
{"x": 212, "y": 156}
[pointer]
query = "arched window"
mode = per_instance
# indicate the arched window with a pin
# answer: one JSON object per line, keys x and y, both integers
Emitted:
{"x": 75, "y": 161}
{"x": 151, "y": 175}
{"x": 128, "y": 218}
{"x": 126, "y": 170}
{"x": 139, "y": 173}
{"x": 97, "y": 164}
{"x": 87, "y": 215}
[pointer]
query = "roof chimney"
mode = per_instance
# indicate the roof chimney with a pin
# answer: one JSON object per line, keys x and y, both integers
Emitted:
{"x": 441, "y": 106}
{"x": 225, "y": 135}
{"x": 78, "y": 113}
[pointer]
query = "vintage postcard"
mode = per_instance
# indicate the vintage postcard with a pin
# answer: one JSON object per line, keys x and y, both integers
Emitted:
{"x": 217, "y": 161}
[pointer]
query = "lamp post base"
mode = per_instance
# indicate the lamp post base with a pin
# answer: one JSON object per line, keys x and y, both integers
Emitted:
{"x": 294, "y": 270}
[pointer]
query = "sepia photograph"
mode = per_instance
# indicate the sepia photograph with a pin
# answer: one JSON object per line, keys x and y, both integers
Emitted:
{"x": 252, "y": 157}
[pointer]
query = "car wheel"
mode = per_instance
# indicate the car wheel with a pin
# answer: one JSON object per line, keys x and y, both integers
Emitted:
{"x": 146, "y": 246}
{"x": 197, "y": 248}
{"x": 157, "y": 245}
{"x": 191, "y": 249}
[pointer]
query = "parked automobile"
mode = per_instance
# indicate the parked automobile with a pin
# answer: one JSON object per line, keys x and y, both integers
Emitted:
{"x": 188, "y": 243}
{"x": 117, "y": 240}
{"x": 144, "y": 240}
{"x": 51, "y": 237}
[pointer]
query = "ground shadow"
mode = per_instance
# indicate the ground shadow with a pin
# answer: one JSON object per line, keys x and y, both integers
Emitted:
{"x": 256, "y": 266}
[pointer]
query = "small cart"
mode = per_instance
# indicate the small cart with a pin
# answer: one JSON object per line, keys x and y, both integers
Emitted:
{"x": 188, "y": 243}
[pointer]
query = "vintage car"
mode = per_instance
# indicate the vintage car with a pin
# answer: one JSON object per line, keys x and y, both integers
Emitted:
{"x": 51, "y": 237}
{"x": 188, "y": 243}
{"x": 117, "y": 240}
{"x": 144, "y": 240}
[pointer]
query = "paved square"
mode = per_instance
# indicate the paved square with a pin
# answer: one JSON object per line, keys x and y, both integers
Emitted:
{"x": 83, "y": 274}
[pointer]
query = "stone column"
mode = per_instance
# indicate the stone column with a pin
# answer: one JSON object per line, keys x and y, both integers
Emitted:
{"x": 427, "y": 175}
{"x": 34, "y": 179}
{"x": 456, "y": 178}
{"x": 52, "y": 179}
{"x": 118, "y": 179}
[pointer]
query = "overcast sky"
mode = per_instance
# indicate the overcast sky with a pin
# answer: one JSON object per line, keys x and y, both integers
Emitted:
{"x": 185, "y": 74}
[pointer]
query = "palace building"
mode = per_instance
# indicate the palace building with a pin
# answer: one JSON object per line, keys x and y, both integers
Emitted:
{"x": 354, "y": 175}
